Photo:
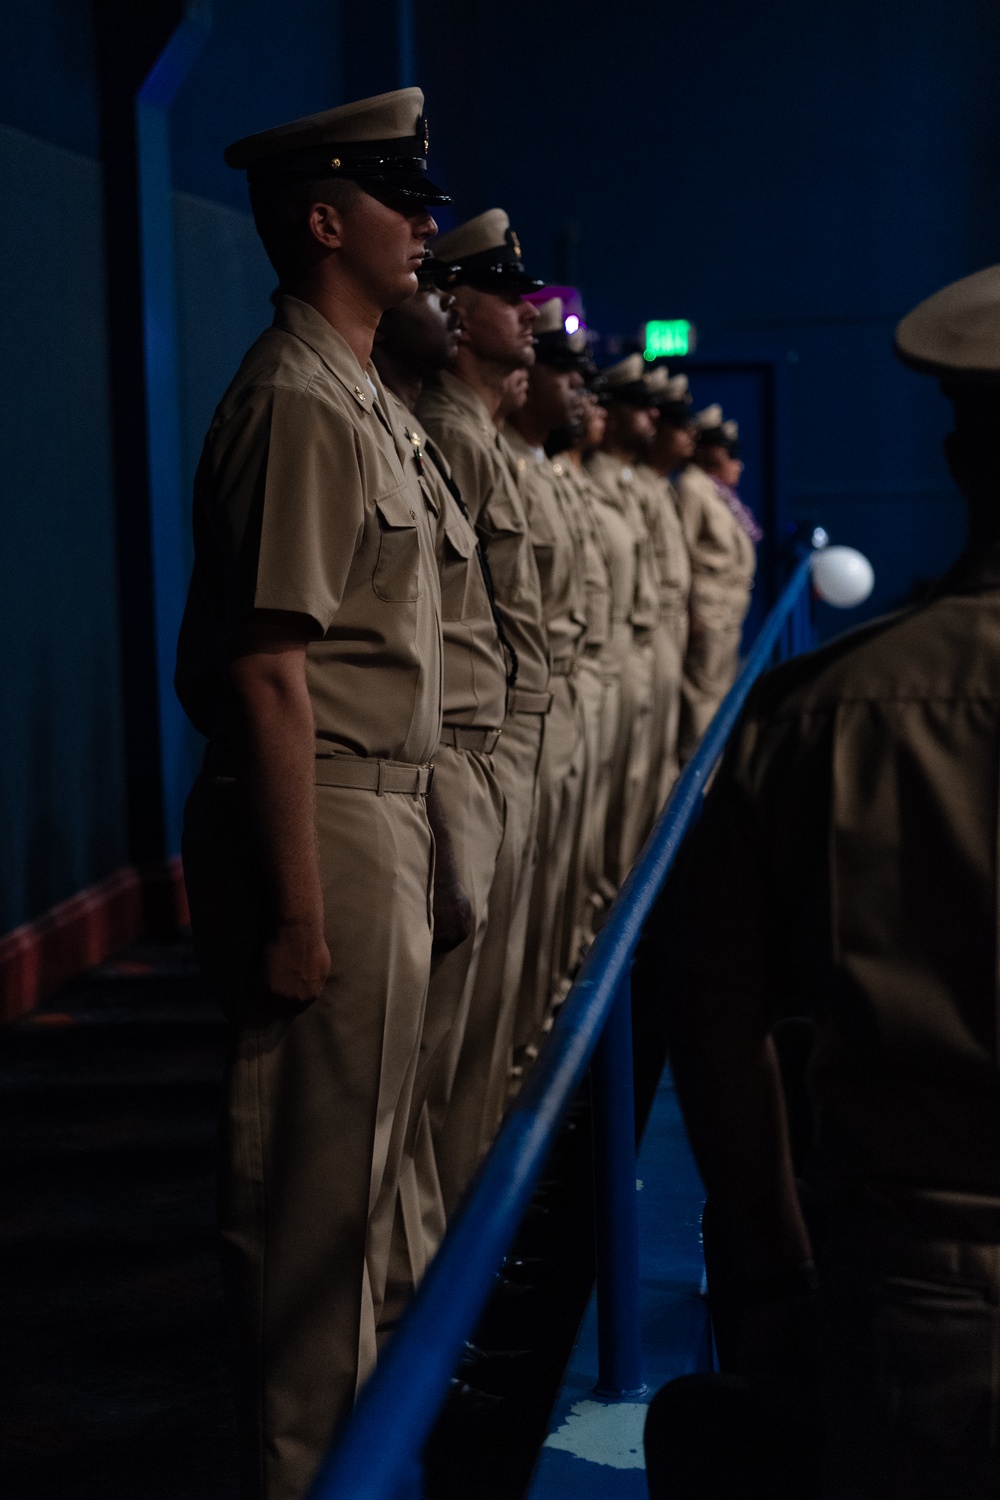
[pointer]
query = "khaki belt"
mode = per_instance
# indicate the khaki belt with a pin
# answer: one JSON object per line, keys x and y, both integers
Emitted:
{"x": 461, "y": 737}
{"x": 564, "y": 668}
{"x": 373, "y": 775}
{"x": 522, "y": 702}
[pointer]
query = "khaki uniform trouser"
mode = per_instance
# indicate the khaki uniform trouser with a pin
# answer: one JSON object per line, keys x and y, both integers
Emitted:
{"x": 909, "y": 1346}
{"x": 593, "y": 688}
{"x": 710, "y": 666}
{"x": 316, "y": 1104}
{"x": 669, "y": 644}
{"x": 560, "y": 784}
{"x": 465, "y": 1131}
{"x": 474, "y": 810}
{"x": 631, "y": 766}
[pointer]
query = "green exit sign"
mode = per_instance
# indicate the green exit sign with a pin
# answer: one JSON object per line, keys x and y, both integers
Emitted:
{"x": 672, "y": 336}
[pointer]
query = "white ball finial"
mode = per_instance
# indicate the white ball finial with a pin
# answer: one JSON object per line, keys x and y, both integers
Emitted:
{"x": 842, "y": 576}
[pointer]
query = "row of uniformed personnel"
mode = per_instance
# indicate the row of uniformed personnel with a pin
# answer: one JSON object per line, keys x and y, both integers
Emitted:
{"x": 385, "y": 583}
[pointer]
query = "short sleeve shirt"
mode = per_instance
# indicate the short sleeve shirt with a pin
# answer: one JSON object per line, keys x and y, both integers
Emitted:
{"x": 305, "y": 502}
{"x": 846, "y": 866}
{"x": 617, "y": 482}
{"x": 459, "y": 423}
{"x": 557, "y": 538}
{"x": 597, "y": 580}
{"x": 723, "y": 558}
{"x": 673, "y": 563}
{"x": 475, "y": 665}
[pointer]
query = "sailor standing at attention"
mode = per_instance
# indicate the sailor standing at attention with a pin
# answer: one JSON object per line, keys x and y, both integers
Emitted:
{"x": 630, "y": 426}
{"x": 414, "y": 341}
{"x": 722, "y": 537}
{"x": 481, "y": 262}
{"x": 671, "y": 448}
{"x": 557, "y": 535}
{"x": 310, "y": 657}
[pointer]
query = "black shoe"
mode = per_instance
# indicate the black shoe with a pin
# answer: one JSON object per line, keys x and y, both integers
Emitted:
{"x": 495, "y": 1371}
{"x": 526, "y": 1270}
{"x": 467, "y": 1403}
{"x": 509, "y": 1293}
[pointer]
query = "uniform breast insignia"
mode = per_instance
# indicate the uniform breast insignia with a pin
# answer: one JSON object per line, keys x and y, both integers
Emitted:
{"x": 418, "y": 450}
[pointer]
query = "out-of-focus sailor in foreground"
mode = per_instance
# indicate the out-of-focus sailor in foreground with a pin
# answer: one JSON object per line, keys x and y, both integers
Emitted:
{"x": 846, "y": 863}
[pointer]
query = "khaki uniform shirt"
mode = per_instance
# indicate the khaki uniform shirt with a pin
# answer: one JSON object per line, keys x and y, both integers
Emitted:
{"x": 723, "y": 558}
{"x": 846, "y": 864}
{"x": 617, "y": 483}
{"x": 557, "y": 537}
{"x": 620, "y": 551}
{"x": 475, "y": 665}
{"x": 307, "y": 500}
{"x": 658, "y": 499}
{"x": 459, "y": 423}
{"x": 597, "y": 578}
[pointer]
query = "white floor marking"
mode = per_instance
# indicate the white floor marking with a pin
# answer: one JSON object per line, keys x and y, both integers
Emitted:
{"x": 603, "y": 1433}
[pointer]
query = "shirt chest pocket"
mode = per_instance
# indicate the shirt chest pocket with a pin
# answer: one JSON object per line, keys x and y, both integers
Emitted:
{"x": 397, "y": 572}
{"x": 460, "y": 573}
{"x": 460, "y": 539}
{"x": 502, "y": 516}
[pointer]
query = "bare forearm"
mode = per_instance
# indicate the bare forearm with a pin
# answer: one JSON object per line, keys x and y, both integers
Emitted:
{"x": 279, "y": 778}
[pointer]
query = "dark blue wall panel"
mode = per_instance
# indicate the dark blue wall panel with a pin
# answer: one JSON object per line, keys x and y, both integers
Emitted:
{"x": 62, "y": 801}
{"x": 224, "y": 282}
{"x": 792, "y": 178}
{"x": 47, "y": 77}
{"x": 61, "y": 773}
{"x": 265, "y": 62}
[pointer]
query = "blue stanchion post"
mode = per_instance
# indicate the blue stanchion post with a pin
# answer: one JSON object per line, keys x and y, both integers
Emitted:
{"x": 615, "y": 1211}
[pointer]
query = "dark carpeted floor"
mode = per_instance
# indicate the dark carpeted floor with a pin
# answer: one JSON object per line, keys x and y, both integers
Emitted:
{"x": 113, "y": 1376}
{"x": 112, "y": 1370}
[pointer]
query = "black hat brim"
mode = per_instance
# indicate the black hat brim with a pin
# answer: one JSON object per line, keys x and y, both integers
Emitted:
{"x": 500, "y": 278}
{"x": 404, "y": 182}
{"x": 676, "y": 413}
{"x": 634, "y": 394}
{"x": 507, "y": 280}
{"x": 714, "y": 437}
{"x": 558, "y": 357}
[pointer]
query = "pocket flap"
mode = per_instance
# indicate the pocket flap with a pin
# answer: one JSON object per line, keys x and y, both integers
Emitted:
{"x": 396, "y": 509}
{"x": 502, "y": 516}
{"x": 461, "y": 537}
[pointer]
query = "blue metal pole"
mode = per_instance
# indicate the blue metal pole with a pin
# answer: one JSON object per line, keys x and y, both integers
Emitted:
{"x": 616, "y": 1220}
